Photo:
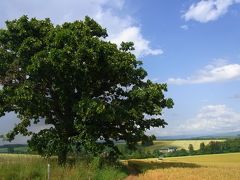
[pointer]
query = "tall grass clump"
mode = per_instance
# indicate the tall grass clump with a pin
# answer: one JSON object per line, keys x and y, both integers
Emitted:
{"x": 22, "y": 167}
{"x": 30, "y": 167}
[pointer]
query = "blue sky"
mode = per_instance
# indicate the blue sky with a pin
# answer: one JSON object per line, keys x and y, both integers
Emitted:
{"x": 192, "y": 45}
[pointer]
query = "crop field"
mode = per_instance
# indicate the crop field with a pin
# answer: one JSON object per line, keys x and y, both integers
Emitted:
{"x": 211, "y": 167}
{"x": 178, "y": 143}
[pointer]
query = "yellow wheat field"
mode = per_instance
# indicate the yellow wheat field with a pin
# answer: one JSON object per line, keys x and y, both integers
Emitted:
{"x": 180, "y": 144}
{"x": 204, "y": 167}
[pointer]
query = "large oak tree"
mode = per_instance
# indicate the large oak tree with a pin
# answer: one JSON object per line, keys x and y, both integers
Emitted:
{"x": 72, "y": 78}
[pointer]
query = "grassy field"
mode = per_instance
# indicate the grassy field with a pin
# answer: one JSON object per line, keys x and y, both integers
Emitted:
{"x": 211, "y": 167}
{"x": 178, "y": 143}
{"x": 19, "y": 167}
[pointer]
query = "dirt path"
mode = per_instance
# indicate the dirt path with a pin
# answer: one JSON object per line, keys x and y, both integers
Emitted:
{"x": 133, "y": 173}
{"x": 131, "y": 177}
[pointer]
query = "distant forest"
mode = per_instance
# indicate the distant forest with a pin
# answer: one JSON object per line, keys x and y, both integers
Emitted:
{"x": 213, "y": 147}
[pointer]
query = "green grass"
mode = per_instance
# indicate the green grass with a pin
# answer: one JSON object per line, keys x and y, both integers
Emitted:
{"x": 216, "y": 166}
{"x": 21, "y": 149}
{"x": 3, "y": 150}
{"x": 20, "y": 167}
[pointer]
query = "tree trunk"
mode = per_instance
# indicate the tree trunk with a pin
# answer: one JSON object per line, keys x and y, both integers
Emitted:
{"x": 62, "y": 153}
{"x": 62, "y": 157}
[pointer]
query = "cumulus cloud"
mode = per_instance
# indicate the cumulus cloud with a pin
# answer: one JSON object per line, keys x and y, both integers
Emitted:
{"x": 213, "y": 119}
{"x": 121, "y": 27}
{"x": 141, "y": 45}
{"x": 210, "y": 120}
{"x": 208, "y": 10}
{"x": 210, "y": 73}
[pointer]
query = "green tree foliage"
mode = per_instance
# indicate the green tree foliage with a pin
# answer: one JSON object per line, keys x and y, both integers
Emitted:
{"x": 10, "y": 149}
{"x": 214, "y": 147}
{"x": 3, "y": 137}
{"x": 72, "y": 78}
{"x": 181, "y": 152}
{"x": 230, "y": 145}
{"x": 190, "y": 149}
{"x": 148, "y": 140}
{"x": 202, "y": 147}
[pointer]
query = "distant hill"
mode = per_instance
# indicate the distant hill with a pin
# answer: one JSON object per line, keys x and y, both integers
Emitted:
{"x": 223, "y": 135}
{"x": 210, "y": 136}
{"x": 13, "y": 145}
{"x": 13, "y": 148}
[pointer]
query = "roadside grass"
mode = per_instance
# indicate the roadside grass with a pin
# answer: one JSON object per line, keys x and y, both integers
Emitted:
{"x": 18, "y": 167}
{"x": 22, "y": 167}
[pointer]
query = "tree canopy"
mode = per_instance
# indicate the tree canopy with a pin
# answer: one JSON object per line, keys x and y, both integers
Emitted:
{"x": 90, "y": 91}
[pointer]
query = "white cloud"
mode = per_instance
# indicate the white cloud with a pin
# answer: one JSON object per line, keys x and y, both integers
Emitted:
{"x": 184, "y": 27}
{"x": 121, "y": 27}
{"x": 213, "y": 119}
{"x": 210, "y": 73}
{"x": 208, "y": 10}
{"x": 210, "y": 120}
{"x": 141, "y": 45}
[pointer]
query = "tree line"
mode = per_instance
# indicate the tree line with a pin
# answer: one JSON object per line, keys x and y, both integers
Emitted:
{"x": 213, "y": 147}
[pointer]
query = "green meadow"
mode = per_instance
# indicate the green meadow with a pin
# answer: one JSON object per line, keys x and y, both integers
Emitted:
{"x": 214, "y": 167}
{"x": 19, "y": 167}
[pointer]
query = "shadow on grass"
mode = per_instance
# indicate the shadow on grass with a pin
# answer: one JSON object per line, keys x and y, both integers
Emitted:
{"x": 136, "y": 167}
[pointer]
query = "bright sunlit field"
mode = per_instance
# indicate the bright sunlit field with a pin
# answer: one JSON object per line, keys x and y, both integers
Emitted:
{"x": 212, "y": 167}
{"x": 180, "y": 144}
